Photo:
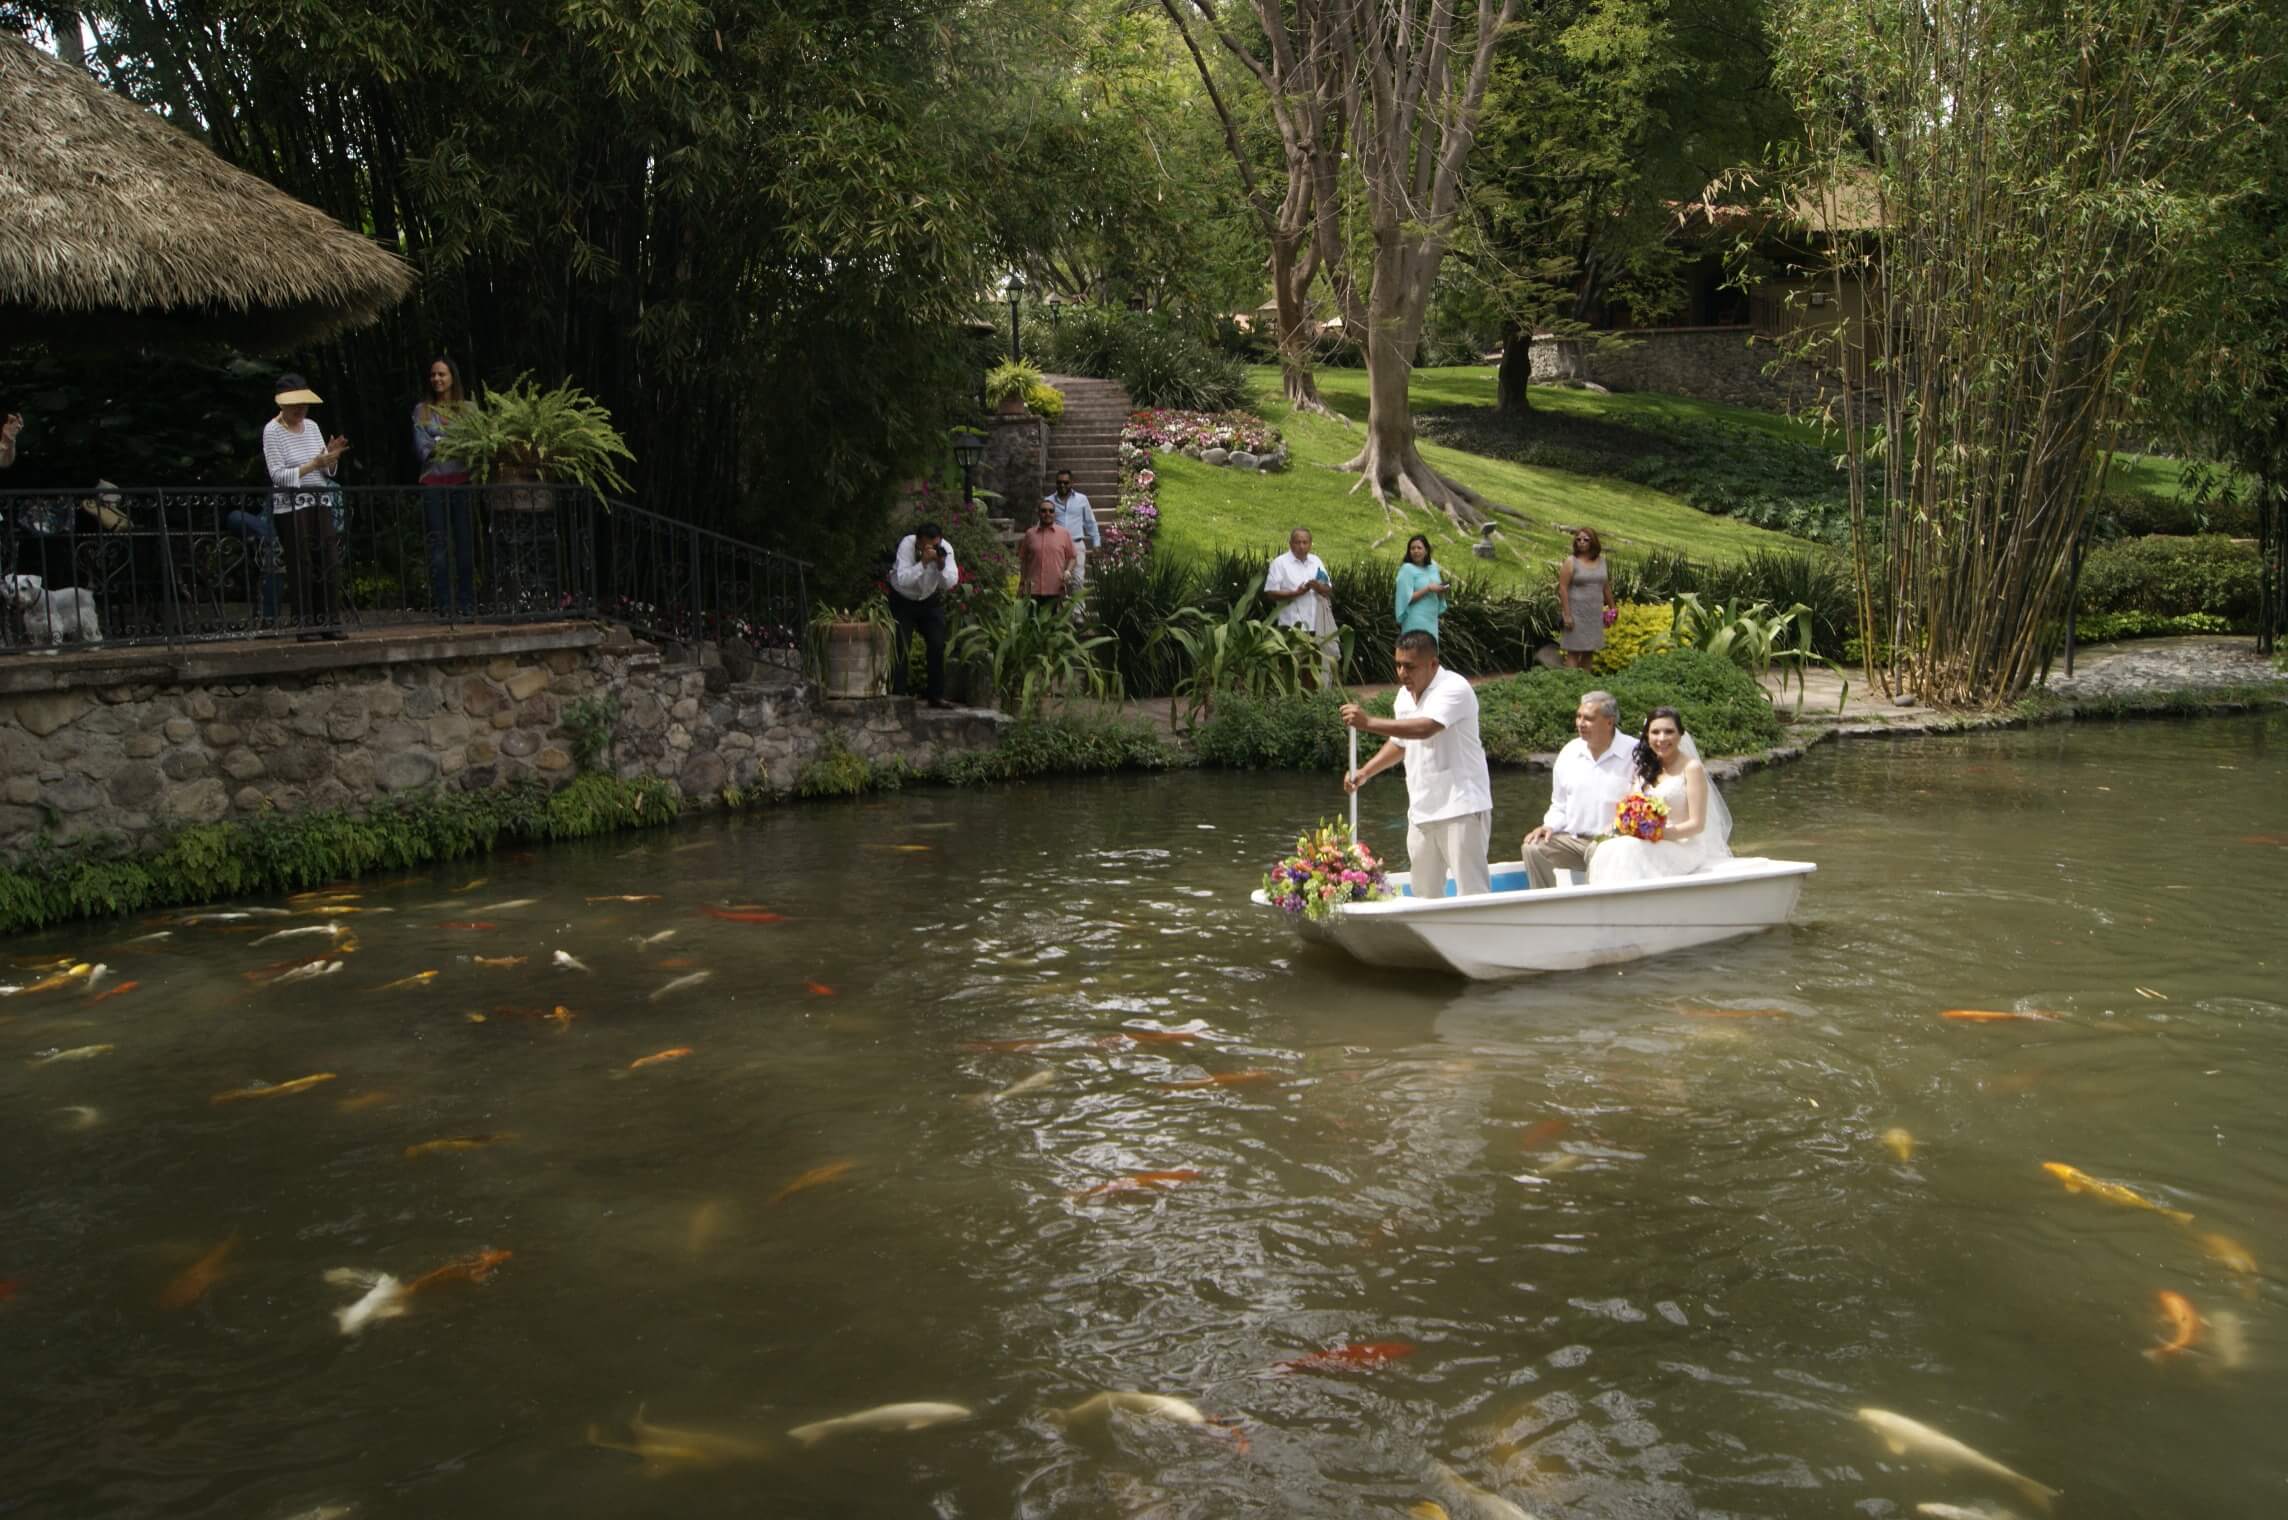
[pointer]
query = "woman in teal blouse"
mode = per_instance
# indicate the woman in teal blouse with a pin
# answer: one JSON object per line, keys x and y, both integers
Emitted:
{"x": 1421, "y": 589}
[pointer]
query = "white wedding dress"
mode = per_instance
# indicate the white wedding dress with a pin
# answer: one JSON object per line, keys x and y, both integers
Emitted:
{"x": 1620, "y": 860}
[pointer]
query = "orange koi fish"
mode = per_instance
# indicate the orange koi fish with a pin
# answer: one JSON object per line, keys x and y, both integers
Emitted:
{"x": 674, "y": 1053}
{"x": 745, "y": 915}
{"x": 476, "y": 1269}
{"x": 1543, "y": 1135}
{"x": 1999, "y": 1016}
{"x": 2279, "y": 841}
{"x": 109, "y": 993}
{"x": 561, "y": 1017}
{"x": 500, "y": 962}
{"x": 1248, "y": 1078}
{"x": 273, "y": 1090}
{"x": 417, "y": 979}
{"x": 818, "y": 989}
{"x": 468, "y": 923}
{"x": 1361, "y": 1357}
{"x": 191, "y": 1284}
{"x": 1137, "y": 1180}
{"x": 454, "y": 1144}
{"x": 816, "y": 1176}
{"x": 2184, "y": 1325}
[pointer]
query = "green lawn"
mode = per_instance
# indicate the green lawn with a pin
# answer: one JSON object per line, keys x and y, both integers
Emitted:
{"x": 1205, "y": 508}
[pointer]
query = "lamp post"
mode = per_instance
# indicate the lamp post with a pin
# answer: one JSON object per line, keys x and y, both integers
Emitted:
{"x": 1016, "y": 293}
{"x": 1056, "y": 310}
{"x": 969, "y": 453}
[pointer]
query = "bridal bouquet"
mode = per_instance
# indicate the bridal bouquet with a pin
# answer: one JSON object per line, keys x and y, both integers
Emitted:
{"x": 1640, "y": 815}
{"x": 1328, "y": 869}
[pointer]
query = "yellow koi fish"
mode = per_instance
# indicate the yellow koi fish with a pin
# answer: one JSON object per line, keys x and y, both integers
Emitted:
{"x": 813, "y": 1178}
{"x": 453, "y": 1144}
{"x": 76, "y": 1053}
{"x": 499, "y": 962}
{"x": 2078, "y": 1181}
{"x": 273, "y": 1090}
{"x": 62, "y": 978}
{"x": 1899, "y": 1143}
{"x": 417, "y": 979}
{"x": 666, "y": 1449}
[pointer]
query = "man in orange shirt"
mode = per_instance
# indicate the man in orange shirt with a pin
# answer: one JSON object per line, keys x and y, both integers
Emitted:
{"x": 1045, "y": 557}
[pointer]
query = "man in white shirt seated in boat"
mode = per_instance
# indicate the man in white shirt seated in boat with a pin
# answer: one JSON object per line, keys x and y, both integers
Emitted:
{"x": 1593, "y": 773}
{"x": 1433, "y": 727}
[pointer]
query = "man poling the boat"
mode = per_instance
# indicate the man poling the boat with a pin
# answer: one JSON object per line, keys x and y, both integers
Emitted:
{"x": 1433, "y": 728}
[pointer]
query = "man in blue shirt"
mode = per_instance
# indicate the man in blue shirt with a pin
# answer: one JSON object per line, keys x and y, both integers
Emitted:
{"x": 1078, "y": 518}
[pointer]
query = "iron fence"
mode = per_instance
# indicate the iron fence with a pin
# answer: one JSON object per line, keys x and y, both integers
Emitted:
{"x": 171, "y": 566}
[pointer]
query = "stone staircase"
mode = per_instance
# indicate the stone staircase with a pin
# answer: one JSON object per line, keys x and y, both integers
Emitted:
{"x": 1086, "y": 440}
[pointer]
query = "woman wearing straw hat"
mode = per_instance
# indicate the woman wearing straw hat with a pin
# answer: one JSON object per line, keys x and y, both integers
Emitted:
{"x": 301, "y": 462}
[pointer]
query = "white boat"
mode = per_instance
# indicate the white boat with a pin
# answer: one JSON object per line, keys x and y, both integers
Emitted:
{"x": 1514, "y": 931}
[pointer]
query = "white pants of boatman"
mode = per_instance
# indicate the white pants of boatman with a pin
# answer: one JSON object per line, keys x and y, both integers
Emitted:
{"x": 1456, "y": 845}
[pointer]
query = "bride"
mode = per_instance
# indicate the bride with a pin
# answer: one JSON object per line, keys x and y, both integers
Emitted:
{"x": 1699, "y": 828}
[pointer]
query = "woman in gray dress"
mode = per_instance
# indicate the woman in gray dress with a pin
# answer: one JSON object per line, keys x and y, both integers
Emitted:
{"x": 1584, "y": 591}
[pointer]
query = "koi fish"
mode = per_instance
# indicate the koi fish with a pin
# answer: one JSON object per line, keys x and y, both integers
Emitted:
{"x": 335, "y": 910}
{"x": 902, "y": 849}
{"x": 1022, "y": 1086}
{"x": 706, "y": 1223}
{"x": 665, "y": 1449}
{"x": 471, "y": 923}
{"x": 1709, "y": 1011}
{"x": 1135, "y": 1180}
{"x": 1248, "y": 1078}
{"x": 476, "y": 1269}
{"x": 1937, "y": 1511}
{"x": 500, "y": 962}
{"x": 2279, "y": 841}
{"x": 561, "y": 1017}
{"x": 1902, "y": 1435}
{"x": 62, "y": 978}
{"x": 384, "y": 1298}
{"x": 417, "y": 979}
{"x": 565, "y": 960}
{"x": 331, "y": 931}
{"x": 745, "y": 915}
{"x": 309, "y": 971}
{"x": 815, "y": 1177}
{"x": 76, "y": 1053}
{"x": 1472, "y": 1499}
{"x": 1007, "y": 1047}
{"x": 119, "y": 991}
{"x": 818, "y": 989}
{"x": 95, "y": 977}
{"x": 1160, "y": 1406}
{"x": 273, "y": 1090}
{"x": 1542, "y": 1135}
{"x": 191, "y": 1284}
{"x": 680, "y": 984}
{"x": 2228, "y": 1339}
{"x": 2079, "y": 1181}
{"x": 454, "y": 1144}
{"x": 83, "y": 1117}
{"x": 10, "y": 1287}
{"x": 1999, "y": 1016}
{"x": 627, "y": 897}
{"x": 238, "y": 917}
{"x": 2228, "y": 1253}
{"x": 326, "y": 894}
{"x": 676, "y": 963}
{"x": 2184, "y": 1324}
{"x": 362, "y": 1102}
{"x": 660, "y": 1057}
{"x": 510, "y": 906}
{"x": 1899, "y": 1143}
{"x": 1427, "y": 1509}
{"x": 1353, "y": 1358}
{"x": 1126, "y": 1036}
{"x": 646, "y": 941}
{"x": 471, "y": 886}
{"x": 145, "y": 939}
{"x": 885, "y": 1417}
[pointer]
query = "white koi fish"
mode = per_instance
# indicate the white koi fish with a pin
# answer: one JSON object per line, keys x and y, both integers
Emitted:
{"x": 239, "y": 916}
{"x": 1160, "y": 1406}
{"x": 1938, "y": 1511}
{"x": 384, "y": 1298}
{"x": 646, "y": 941}
{"x": 504, "y": 907}
{"x": 1466, "y": 1498}
{"x": 1045, "y": 1077}
{"x": 1903, "y": 1435}
{"x": 76, "y": 1053}
{"x": 330, "y": 931}
{"x": 680, "y": 983}
{"x": 667, "y": 1448}
{"x": 145, "y": 939}
{"x": 884, "y": 1417}
{"x": 309, "y": 971}
{"x": 82, "y": 1116}
{"x": 95, "y": 977}
{"x": 565, "y": 960}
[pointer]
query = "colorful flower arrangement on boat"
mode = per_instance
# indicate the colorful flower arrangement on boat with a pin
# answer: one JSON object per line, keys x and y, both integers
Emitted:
{"x": 1640, "y": 815}
{"x": 1328, "y": 869}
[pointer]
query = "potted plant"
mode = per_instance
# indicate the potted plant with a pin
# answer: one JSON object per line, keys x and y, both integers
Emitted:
{"x": 850, "y": 648}
{"x": 523, "y": 433}
{"x": 1010, "y": 384}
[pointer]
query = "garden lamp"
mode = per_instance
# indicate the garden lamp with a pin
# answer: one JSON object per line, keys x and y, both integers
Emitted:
{"x": 969, "y": 453}
{"x": 1016, "y": 293}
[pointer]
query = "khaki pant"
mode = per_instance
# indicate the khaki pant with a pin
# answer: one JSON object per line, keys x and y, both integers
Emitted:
{"x": 1569, "y": 852}
{"x": 1458, "y": 844}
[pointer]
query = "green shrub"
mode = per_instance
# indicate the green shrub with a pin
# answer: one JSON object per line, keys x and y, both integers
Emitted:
{"x": 1635, "y": 633}
{"x": 836, "y": 770}
{"x": 2138, "y": 514}
{"x": 1065, "y": 745}
{"x": 1159, "y": 359}
{"x": 285, "y": 852}
{"x": 1724, "y": 709}
{"x": 1130, "y": 601}
{"x": 2173, "y": 576}
{"x": 1247, "y": 733}
{"x": 1045, "y": 401}
{"x": 2102, "y": 627}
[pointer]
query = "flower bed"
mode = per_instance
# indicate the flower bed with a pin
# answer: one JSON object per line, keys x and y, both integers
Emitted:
{"x": 1131, "y": 525}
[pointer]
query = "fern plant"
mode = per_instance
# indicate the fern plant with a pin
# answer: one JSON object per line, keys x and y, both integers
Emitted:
{"x": 562, "y": 435}
{"x": 1756, "y": 639}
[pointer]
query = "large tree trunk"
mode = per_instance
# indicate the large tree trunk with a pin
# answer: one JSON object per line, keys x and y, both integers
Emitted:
{"x": 1391, "y": 464}
{"x": 1290, "y": 283}
{"x": 1516, "y": 369}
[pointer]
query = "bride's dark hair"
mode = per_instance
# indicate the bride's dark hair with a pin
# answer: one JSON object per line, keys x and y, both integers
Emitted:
{"x": 1648, "y": 763}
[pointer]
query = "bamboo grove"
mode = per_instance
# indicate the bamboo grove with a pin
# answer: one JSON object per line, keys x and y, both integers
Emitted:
{"x": 2033, "y": 195}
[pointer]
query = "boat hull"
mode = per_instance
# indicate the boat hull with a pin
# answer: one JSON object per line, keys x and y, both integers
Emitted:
{"x": 1514, "y": 932}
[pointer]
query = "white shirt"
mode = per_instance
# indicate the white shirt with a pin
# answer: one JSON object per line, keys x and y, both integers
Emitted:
{"x": 917, "y": 579}
{"x": 1584, "y": 789}
{"x": 1078, "y": 518}
{"x": 1286, "y": 573}
{"x": 1445, "y": 773}
{"x": 284, "y": 454}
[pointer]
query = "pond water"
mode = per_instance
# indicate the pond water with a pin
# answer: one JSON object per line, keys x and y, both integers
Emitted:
{"x": 1641, "y": 1228}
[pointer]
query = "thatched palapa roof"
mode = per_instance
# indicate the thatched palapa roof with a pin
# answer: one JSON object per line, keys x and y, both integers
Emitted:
{"x": 114, "y": 222}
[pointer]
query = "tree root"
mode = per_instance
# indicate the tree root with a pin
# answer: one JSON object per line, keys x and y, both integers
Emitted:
{"x": 1406, "y": 474}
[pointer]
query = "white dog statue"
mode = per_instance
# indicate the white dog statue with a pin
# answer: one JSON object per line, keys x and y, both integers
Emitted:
{"x": 52, "y": 617}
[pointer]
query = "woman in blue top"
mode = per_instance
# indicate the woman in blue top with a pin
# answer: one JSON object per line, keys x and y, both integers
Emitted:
{"x": 1421, "y": 589}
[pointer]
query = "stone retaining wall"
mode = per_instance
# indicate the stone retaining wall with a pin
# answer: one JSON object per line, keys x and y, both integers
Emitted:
{"x": 1709, "y": 363}
{"x": 137, "y": 746}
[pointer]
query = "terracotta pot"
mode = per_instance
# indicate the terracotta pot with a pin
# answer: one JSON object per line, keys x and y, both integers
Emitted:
{"x": 532, "y": 493}
{"x": 1013, "y": 406}
{"x": 857, "y": 655}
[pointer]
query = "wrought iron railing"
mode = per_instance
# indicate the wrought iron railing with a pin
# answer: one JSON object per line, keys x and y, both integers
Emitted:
{"x": 174, "y": 566}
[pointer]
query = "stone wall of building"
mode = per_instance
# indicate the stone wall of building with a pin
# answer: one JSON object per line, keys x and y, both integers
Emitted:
{"x": 1016, "y": 460}
{"x": 1726, "y": 364}
{"x": 131, "y": 747}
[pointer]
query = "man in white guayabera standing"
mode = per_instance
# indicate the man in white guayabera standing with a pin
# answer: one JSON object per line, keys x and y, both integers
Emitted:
{"x": 1593, "y": 773}
{"x": 1433, "y": 726}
